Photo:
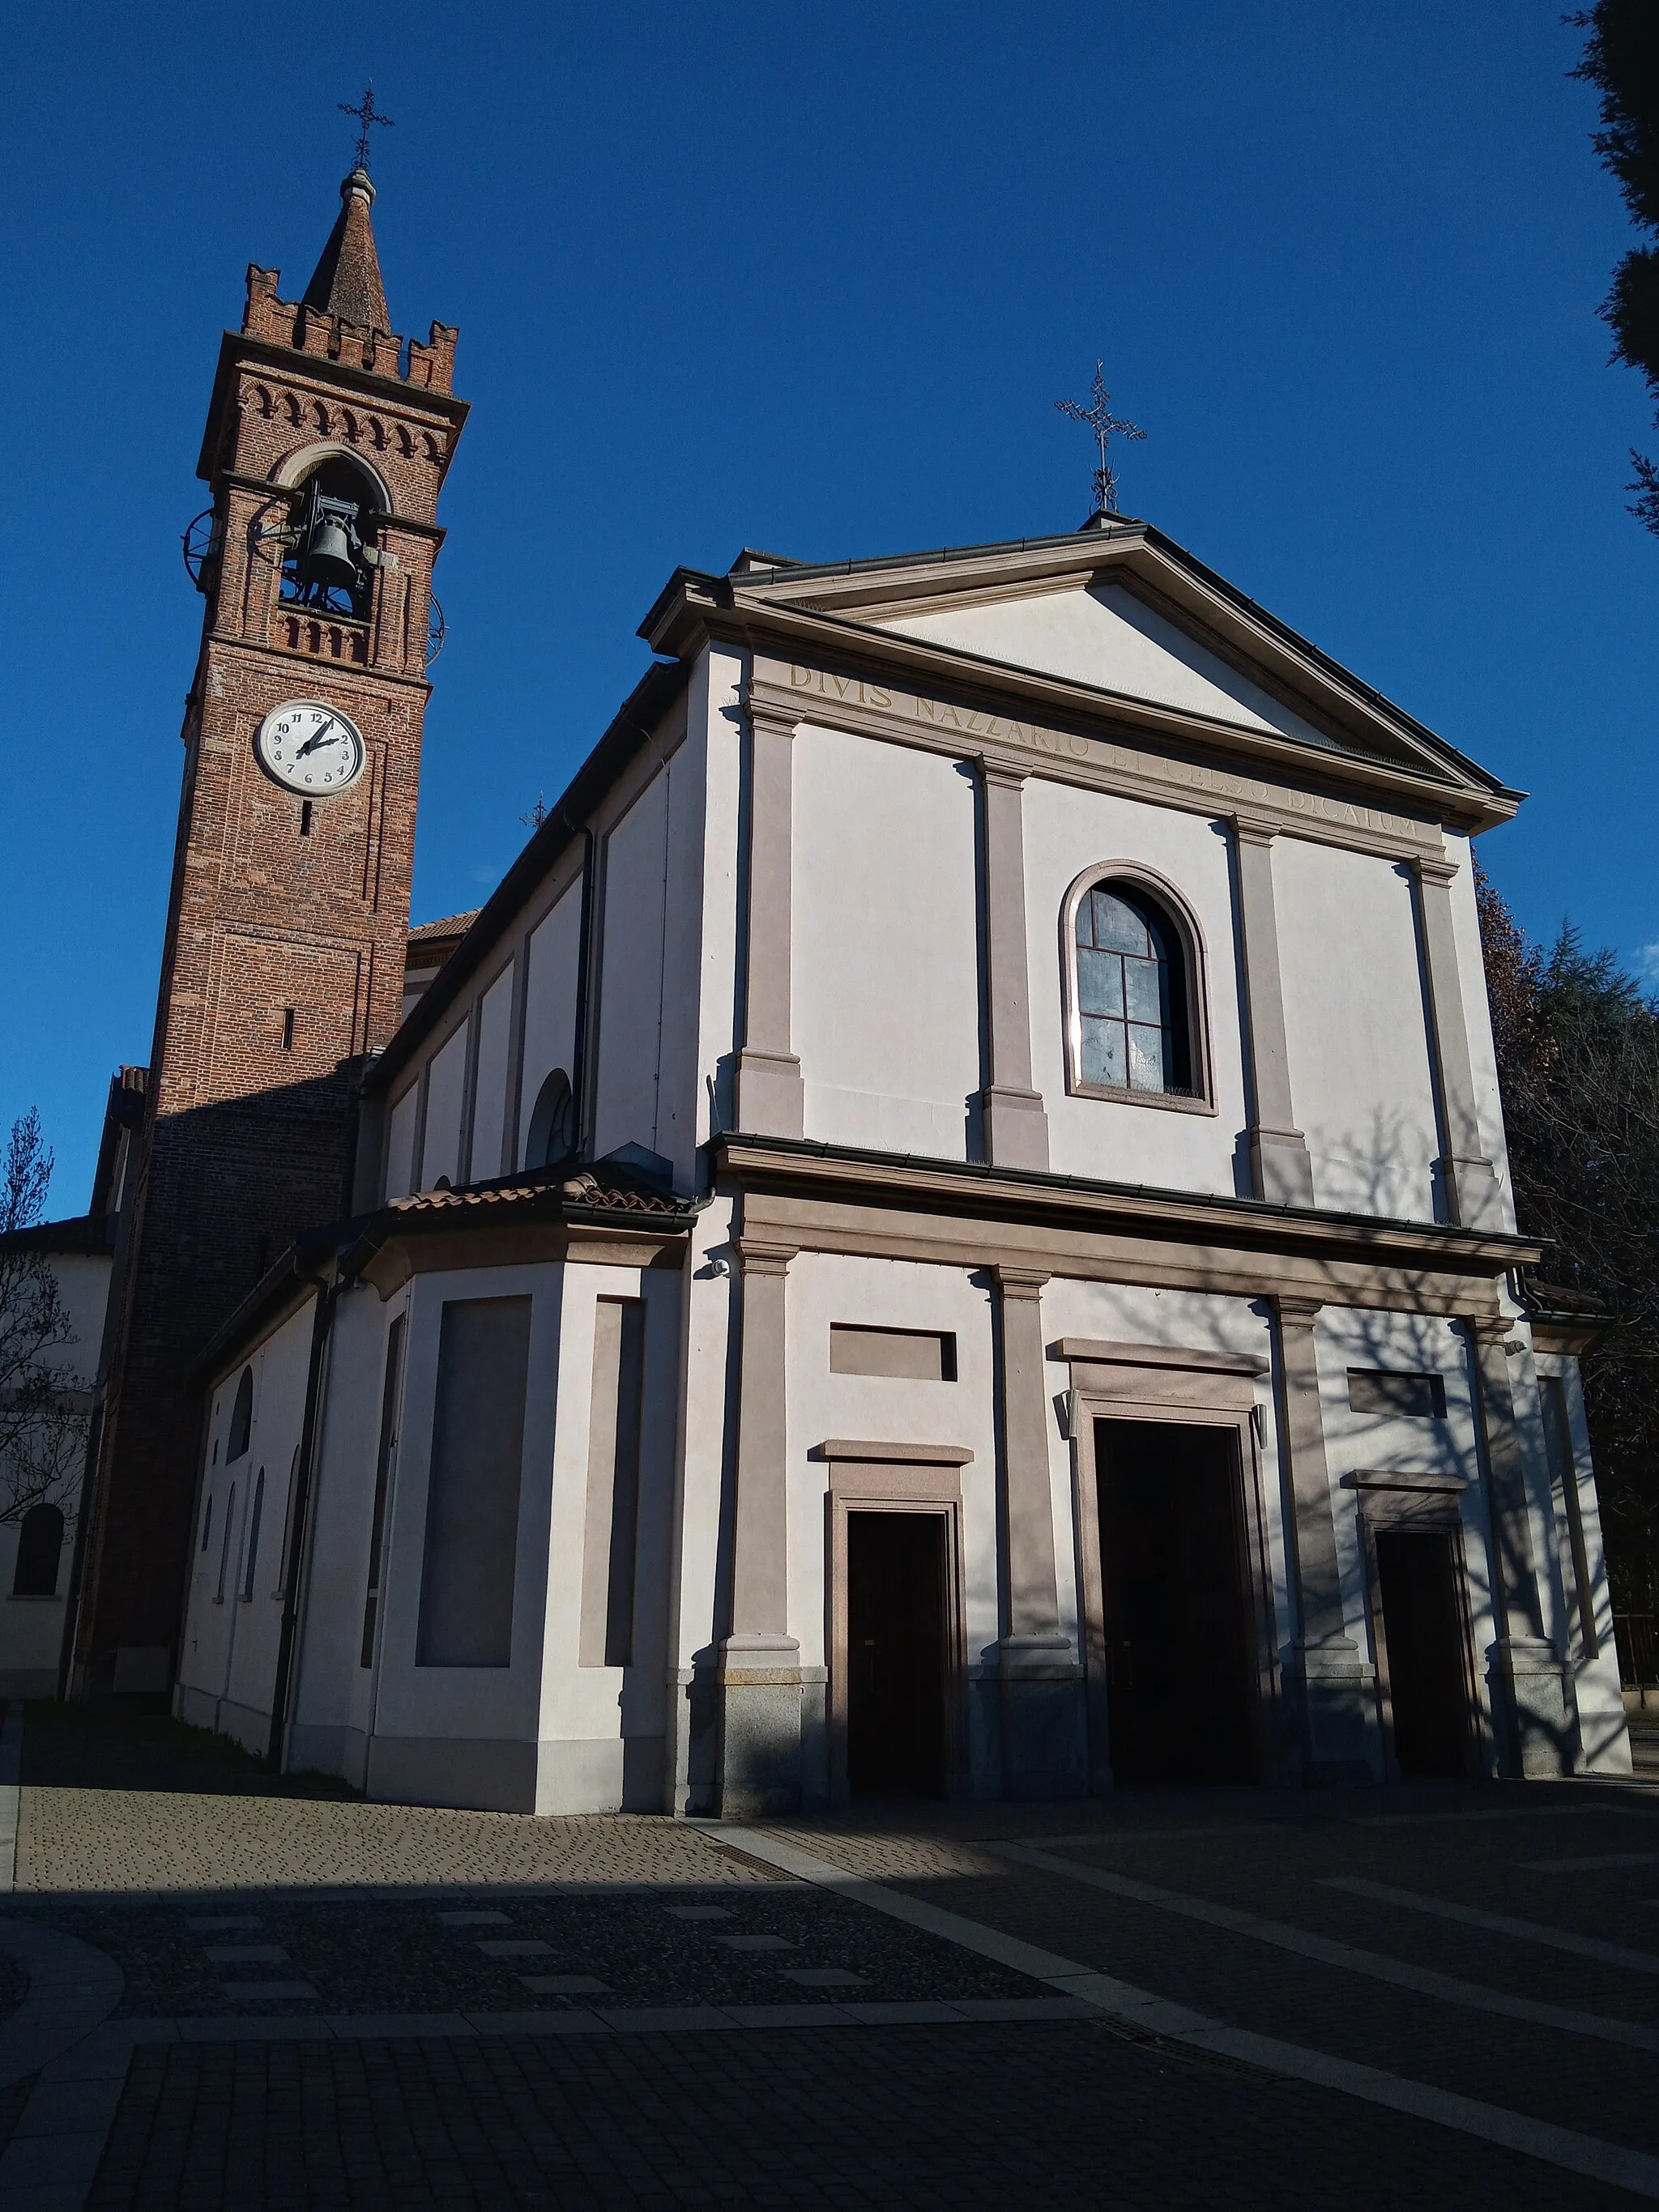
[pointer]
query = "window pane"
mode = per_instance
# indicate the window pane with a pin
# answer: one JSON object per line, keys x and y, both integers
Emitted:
{"x": 1145, "y": 982}
{"x": 1103, "y": 1053}
{"x": 1146, "y": 1058}
{"x": 1117, "y": 925}
{"x": 1099, "y": 982}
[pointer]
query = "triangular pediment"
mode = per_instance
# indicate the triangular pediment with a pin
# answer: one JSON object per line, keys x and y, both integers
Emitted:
{"x": 1102, "y": 635}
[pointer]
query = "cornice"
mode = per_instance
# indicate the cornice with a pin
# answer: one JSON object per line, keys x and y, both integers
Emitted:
{"x": 967, "y": 1191}
{"x": 438, "y": 409}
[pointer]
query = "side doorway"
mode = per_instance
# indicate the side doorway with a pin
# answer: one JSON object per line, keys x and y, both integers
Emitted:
{"x": 1418, "y": 1593}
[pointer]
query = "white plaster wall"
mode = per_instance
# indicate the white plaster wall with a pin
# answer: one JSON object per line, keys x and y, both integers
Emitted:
{"x": 1604, "y": 1736}
{"x": 885, "y": 973}
{"x": 400, "y": 1143}
{"x": 227, "y": 1662}
{"x": 1066, "y": 831}
{"x": 631, "y": 990}
{"x": 1105, "y": 636}
{"x": 333, "y": 1696}
{"x": 549, "y": 1012}
{"x": 1355, "y": 1029}
{"x": 446, "y": 1096}
{"x": 489, "y": 1081}
{"x": 1345, "y": 1337}
{"x": 494, "y": 1704}
{"x": 707, "y": 1431}
{"x": 825, "y": 1288}
{"x": 1190, "y": 1321}
{"x": 597, "y": 1706}
{"x": 1477, "y": 1016}
{"x": 715, "y": 717}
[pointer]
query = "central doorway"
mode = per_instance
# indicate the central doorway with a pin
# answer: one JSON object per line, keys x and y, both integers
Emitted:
{"x": 1180, "y": 1682}
{"x": 1422, "y": 1624}
{"x": 897, "y": 1655}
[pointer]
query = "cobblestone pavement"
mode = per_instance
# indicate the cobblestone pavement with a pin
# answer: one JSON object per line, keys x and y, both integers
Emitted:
{"x": 332, "y": 2003}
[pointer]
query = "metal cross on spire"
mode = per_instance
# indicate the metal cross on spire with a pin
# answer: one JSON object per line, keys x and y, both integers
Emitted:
{"x": 1106, "y": 426}
{"x": 366, "y": 117}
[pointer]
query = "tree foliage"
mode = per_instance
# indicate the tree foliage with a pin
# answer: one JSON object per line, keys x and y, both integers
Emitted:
{"x": 42, "y": 1425}
{"x": 1578, "y": 1064}
{"x": 1621, "y": 60}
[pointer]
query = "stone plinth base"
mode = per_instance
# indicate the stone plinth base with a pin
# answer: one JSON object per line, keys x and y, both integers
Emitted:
{"x": 1342, "y": 1742}
{"x": 1044, "y": 1717}
{"x": 1532, "y": 1681}
{"x": 760, "y": 1728}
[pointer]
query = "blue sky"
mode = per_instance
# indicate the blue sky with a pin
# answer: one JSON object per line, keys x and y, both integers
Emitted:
{"x": 812, "y": 279}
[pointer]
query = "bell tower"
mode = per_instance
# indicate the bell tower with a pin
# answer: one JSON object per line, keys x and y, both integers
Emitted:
{"x": 327, "y": 443}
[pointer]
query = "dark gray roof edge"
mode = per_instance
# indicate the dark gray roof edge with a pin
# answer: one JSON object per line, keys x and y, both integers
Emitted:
{"x": 630, "y": 728}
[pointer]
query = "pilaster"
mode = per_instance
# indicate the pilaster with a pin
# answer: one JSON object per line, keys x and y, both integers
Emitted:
{"x": 1529, "y": 1678}
{"x": 1015, "y": 1125}
{"x": 1338, "y": 1694}
{"x": 769, "y": 1098}
{"x": 1280, "y": 1168}
{"x": 760, "y": 1678}
{"x": 1473, "y": 1199}
{"x": 1041, "y": 1703}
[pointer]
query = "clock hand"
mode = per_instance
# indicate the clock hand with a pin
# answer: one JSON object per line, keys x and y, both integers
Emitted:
{"x": 311, "y": 744}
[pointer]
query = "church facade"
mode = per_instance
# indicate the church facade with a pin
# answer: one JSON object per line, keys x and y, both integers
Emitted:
{"x": 946, "y": 1229}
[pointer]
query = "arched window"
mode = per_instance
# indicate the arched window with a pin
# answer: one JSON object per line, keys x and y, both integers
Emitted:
{"x": 39, "y": 1547}
{"x": 241, "y": 1419}
{"x": 1135, "y": 1026}
{"x": 253, "y": 1520}
{"x": 552, "y": 1123}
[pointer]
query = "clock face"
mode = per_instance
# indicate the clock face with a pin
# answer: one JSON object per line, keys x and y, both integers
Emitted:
{"x": 310, "y": 748}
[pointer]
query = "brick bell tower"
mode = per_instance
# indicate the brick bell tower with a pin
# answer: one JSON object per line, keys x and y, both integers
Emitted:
{"x": 328, "y": 438}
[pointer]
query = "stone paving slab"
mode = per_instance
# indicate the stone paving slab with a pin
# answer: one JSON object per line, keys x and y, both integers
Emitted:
{"x": 974, "y": 2118}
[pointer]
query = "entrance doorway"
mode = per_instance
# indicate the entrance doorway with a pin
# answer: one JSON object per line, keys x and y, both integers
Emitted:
{"x": 897, "y": 1654}
{"x": 1182, "y": 1703}
{"x": 1422, "y": 1628}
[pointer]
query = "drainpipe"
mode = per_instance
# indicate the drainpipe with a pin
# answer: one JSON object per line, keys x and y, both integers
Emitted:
{"x": 328, "y": 1294}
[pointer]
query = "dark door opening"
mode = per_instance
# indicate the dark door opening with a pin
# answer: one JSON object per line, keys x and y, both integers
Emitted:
{"x": 1180, "y": 1686}
{"x": 896, "y": 1654}
{"x": 1423, "y": 1631}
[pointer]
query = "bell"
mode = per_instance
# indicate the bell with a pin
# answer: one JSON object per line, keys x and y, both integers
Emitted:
{"x": 328, "y": 550}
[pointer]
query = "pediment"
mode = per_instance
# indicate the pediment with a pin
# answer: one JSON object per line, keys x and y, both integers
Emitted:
{"x": 1101, "y": 634}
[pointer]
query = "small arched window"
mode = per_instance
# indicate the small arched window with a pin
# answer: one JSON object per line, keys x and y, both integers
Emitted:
{"x": 1135, "y": 1016}
{"x": 241, "y": 1419}
{"x": 254, "y": 1518}
{"x": 552, "y": 1123}
{"x": 39, "y": 1547}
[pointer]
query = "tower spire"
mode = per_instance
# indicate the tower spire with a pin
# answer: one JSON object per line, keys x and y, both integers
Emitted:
{"x": 346, "y": 280}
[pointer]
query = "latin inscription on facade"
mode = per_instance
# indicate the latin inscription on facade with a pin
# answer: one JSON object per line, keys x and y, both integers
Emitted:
{"x": 977, "y": 727}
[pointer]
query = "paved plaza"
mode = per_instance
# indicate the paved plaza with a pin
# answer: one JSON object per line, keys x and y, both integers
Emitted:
{"x": 217, "y": 1989}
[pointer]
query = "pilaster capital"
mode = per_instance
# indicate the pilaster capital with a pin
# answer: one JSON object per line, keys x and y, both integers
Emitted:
{"x": 772, "y": 716}
{"x": 1297, "y": 1313}
{"x": 1019, "y": 1282}
{"x": 1002, "y": 774}
{"x": 1254, "y": 828}
{"x": 1493, "y": 1333}
{"x": 760, "y": 1255}
{"x": 1431, "y": 869}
